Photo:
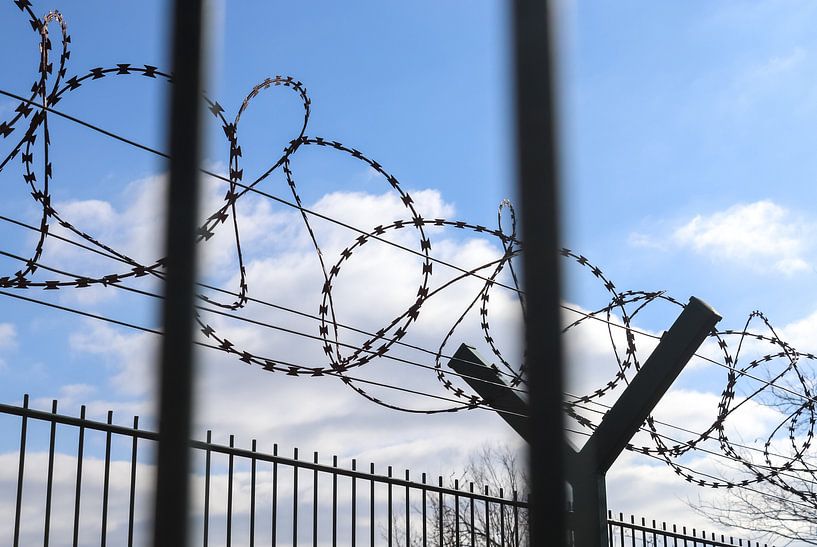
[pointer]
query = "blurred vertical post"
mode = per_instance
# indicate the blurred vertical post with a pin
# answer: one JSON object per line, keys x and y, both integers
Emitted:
{"x": 175, "y": 403}
{"x": 537, "y": 174}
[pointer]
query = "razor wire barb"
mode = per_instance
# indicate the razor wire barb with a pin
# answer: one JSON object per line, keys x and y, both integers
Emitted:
{"x": 29, "y": 123}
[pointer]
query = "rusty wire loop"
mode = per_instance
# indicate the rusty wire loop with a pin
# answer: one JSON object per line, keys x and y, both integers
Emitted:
{"x": 787, "y": 382}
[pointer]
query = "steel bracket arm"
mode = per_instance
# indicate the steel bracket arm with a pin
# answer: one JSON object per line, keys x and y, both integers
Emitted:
{"x": 675, "y": 349}
{"x": 587, "y": 467}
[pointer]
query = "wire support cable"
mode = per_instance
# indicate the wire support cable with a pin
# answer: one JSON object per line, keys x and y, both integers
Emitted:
{"x": 228, "y": 293}
{"x": 744, "y": 487}
{"x": 237, "y": 317}
{"x": 252, "y": 188}
{"x": 766, "y": 383}
{"x": 672, "y": 426}
{"x": 344, "y": 377}
{"x": 697, "y": 448}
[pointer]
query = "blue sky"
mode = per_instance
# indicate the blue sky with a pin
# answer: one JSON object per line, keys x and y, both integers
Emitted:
{"x": 672, "y": 113}
{"x": 686, "y": 159}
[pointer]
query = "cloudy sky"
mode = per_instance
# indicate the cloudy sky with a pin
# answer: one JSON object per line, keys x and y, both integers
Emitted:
{"x": 687, "y": 167}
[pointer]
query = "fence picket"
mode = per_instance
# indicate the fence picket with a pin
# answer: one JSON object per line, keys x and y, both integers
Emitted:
{"x": 504, "y": 519}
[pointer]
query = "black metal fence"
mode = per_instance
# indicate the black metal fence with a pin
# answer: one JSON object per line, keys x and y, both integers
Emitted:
{"x": 632, "y": 533}
{"x": 90, "y": 483}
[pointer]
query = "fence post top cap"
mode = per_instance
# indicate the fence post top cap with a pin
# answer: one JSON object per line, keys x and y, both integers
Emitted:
{"x": 697, "y": 302}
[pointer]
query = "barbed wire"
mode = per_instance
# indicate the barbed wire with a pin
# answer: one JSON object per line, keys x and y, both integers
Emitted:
{"x": 377, "y": 345}
{"x": 273, "y": 305}
{"x": 793, "y": 402}
{"x": 142, "y": 328}
{"x": 272, "y": 326}
{"x": 804, "y": 506}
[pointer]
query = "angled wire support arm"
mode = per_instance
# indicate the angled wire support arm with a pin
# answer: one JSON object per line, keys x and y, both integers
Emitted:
{"x": 587, "y": 467}
{"x": 485, "y": 380}
{"x": 587, "y": 475}
{"x": 646, "y": 389}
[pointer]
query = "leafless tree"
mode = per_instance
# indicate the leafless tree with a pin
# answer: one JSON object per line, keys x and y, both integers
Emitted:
{"x": 488, "y": 524}
{"x": 767, "y": 511}
{"x": 780, "y": 500}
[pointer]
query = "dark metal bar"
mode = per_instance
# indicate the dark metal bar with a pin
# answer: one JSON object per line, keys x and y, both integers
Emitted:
{"x": 643, "y": 532}
{"x": 295, "y": 501}
{"x": 252, "y": 498}
{"x": 515, "y": 518}
{"x": 46, "y": 416}
{"x": 132, "y": 500}
{"x": 457, "y": 511}
{"x": 50, "y": 480}
{"x": 441, "y": 508}
{"x": 487, "y": 518}
{"x": 275, "y": 497}
{"x": 501, "y": 520}
{"x": 315, "y": 504}
{"x": 230, "y": 495}
{"x": 175, "y": 399}
{"x": 408, "y": 515}
{"x": 78, "y": 491}
{"x": 537, "y": 176}
{"x": 20, "y": 473}
{"x": 207, "y": 489}
{"x": 425, "y": 531}
{"x": 334, "y": 503}
{"x": 106, "y": 483}
{"x": 371, "y": 506}
{"x": 486, "y": 381}
{"x": 471, "y": 507}
{"x": 354, "y": 504}
{"x": 389, "y": 525}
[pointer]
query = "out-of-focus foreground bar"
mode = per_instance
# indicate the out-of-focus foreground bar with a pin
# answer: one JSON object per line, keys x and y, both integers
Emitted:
{"x": 538, "y": 180}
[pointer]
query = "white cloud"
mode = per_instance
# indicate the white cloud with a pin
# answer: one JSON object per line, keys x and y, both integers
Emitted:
{"x": 8, "y": 336}
{"x": 130, "y": 357}
{"x": 637, "y": 239}
{"x": 8, "y": 341}
{"x": 766, "y": 82}
{"x": 378, "y": 283}
{"x": 778, "y": 64}
{"x": 762, "y": 235}
{"x": 801, "y": 334}
{"x": 374, "y": 286}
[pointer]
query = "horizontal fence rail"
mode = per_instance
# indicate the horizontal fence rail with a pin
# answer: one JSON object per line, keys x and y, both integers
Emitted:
{"x": 623, "y": 533}
{"x": 90, "y": 482}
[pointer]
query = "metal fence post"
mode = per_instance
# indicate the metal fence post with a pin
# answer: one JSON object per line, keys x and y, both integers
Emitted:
{"x": 626, "y": 417}
{"x": 175, "y": 409}
{"x": 537, "y": 178}
{"x": 588, "y": 467}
